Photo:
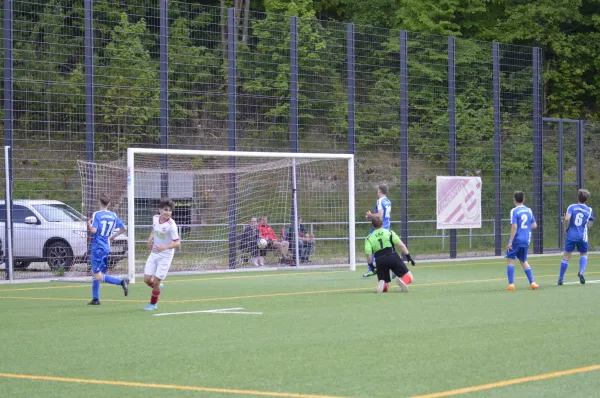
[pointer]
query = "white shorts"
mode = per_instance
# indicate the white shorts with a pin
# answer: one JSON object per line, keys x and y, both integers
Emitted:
{"x": 158, "y": 265}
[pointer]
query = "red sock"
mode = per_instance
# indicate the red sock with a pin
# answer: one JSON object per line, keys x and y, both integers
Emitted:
{"x": 154, "y": 297}
{"x": 407, "y": 278}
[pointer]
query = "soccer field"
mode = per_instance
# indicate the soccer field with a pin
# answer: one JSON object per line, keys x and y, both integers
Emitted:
{"x": 308, "y": 333}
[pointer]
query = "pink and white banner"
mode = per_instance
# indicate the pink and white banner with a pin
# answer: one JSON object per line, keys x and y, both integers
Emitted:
{"x": 458, "y": 202}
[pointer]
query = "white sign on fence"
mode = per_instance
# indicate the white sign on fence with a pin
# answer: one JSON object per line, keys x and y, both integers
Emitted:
{"x": 458, "y": 202}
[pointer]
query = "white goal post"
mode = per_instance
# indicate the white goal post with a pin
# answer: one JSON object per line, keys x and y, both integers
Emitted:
{"x": 234, "y": 169}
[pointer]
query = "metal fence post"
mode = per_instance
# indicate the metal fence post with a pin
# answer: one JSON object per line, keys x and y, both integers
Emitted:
{"x": 538, "y": 189}
{"x": 560, "y": 183}
{"x": 293, "y": 231}
{"x": 497, "y": 150}
{"x": 404, "y": 134}
{"x": 351, "y": 85}
{"x": 89, "y": 102}
{"x": 580, "y": 153}
{"x": 452, "y": 125}
{"x": 8, "y": 125}
{"x": 164, "y": 94}
{"x": 231, "y": 127}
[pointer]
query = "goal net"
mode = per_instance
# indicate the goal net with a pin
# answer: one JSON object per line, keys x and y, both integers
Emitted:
{"x": 218, "y": 193}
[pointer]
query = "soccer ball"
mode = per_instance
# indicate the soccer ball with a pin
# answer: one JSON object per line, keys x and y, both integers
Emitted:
{"x": 262, "y": 243}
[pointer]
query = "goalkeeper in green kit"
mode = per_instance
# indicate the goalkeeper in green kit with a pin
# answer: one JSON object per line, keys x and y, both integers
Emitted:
{"x": 380, "y": 244}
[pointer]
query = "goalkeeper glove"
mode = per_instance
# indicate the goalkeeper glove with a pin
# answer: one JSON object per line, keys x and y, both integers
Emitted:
{"x": 410, "y": 260}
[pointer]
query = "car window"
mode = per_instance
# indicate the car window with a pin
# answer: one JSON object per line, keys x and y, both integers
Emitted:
{"x": 59, "y": 213}
{"x": 19, "y": 213}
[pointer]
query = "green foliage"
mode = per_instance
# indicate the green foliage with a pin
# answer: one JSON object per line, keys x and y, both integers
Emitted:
{"x": 129, "y": 87}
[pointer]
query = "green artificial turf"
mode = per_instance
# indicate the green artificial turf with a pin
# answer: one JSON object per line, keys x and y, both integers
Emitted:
{"x": 321, "y": 332}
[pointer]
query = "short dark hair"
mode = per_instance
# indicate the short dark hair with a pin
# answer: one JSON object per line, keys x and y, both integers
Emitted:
{"x": 519, "y": 196}
{"x": 583, "y": 195}
{"x": 376, "y": 221}
{"x": 104, "y": 199}
{"x": 164, "y": 202}
{"x": 383, "y": 188}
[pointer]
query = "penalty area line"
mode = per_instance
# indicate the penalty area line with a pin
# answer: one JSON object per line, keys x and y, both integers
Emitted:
{"x": 215, "y": 311}
{"x": 578, "y": 283}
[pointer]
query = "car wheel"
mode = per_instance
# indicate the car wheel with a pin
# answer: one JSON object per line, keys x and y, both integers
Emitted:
{"x": 21, "y": 264}
{"x": 60, "y": 256}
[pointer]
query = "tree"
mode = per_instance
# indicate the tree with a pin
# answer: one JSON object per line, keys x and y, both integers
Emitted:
{"x": 128, "y": 87}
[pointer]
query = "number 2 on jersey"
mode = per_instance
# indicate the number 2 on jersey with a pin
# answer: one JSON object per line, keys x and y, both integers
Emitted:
{"x": 524, "y": 221}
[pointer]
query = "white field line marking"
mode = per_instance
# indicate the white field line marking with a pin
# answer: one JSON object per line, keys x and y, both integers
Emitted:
{"x": 217, "y": 311}
{"x": 577, "y": 283}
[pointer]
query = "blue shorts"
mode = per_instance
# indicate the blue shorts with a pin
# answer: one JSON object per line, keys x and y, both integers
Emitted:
{"x": 519, "y": 252}
{"x": 99, "y": 260}
{"x": 570, "y": 245}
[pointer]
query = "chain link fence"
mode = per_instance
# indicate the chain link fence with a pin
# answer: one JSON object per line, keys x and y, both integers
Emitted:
{"x": 86, "y": 80}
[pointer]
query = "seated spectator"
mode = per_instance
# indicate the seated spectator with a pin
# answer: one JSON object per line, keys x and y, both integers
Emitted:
{"x": 249, "y": 241}
{"x": 281, "y": 246}
{"x": 306, "y": 241}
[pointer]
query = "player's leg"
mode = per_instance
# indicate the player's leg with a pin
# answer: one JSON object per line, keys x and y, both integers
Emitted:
{"x": 582, "y": 247}
{"x": 163, "y": 263}
{"x": 402, "y": 275}
{"x": 149, "y": 278}
{"x": 113, "y": 280}
{"x": 522, "y": 256}
{"x": 511, "y": 256}
{"x": 383, "y": 277}
{"x": 564, "y": 263}
{"x": 285, "y": 247}
{"x": 98, "y": 269}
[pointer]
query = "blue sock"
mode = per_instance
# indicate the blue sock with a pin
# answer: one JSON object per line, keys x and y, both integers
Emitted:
{"x": 529, "y": 275}
{"x": 111, "y": 279}
{"x": 564, "y": 264}
{"x": 510, "y": 272}
{"x": 95, "y": 289}
{"x": 582, "y": 264}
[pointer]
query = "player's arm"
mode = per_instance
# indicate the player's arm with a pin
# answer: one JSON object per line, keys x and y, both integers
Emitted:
{"x": 150, "y": 240}
{"x": 591, "y": 219}
{"x": 173, "y": 245}
{"x": 368, "y": 252}
{"x": 513, "y": 232}
{"x": 121, "y": 231}
{"x": 93, "y": 224}
{"x": 379, "y": 208}
{"x": 398, "y": 242}
{"x": 566, "y": 221}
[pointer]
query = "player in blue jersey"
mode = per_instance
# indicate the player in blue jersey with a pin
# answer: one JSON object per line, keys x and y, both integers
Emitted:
{"x": 522, "y": 222}
{"x": 383, "y": 209}
{"x": 577, "y": 220}
{"x": 102, "y": 226}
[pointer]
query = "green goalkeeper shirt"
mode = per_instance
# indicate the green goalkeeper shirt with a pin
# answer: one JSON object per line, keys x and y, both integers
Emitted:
{"x": 380, "y": 239}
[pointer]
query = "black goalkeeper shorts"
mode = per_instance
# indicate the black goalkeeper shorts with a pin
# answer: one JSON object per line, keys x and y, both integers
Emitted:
{"x": 390, "y": 262}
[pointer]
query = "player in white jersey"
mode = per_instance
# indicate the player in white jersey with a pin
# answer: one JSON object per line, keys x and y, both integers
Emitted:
{"x": 162, "y": 242}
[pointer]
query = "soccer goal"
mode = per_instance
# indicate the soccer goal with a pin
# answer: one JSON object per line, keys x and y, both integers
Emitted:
{"x": 218, "y": 193}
